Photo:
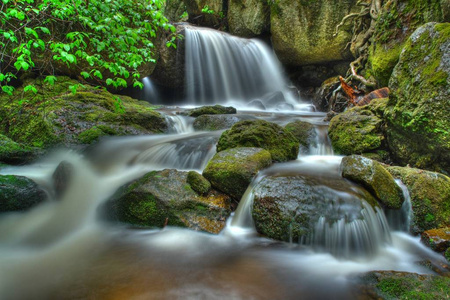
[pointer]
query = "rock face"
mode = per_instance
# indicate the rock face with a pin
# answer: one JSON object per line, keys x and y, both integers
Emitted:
{"x": 375, "y": 178}
{"x": 302, "y": 31}
{"x": 290, "y": 208}
{"x": 206, "y": 13}
{"x": 232, "y": 170}
{"x": 56, "y": 116}
{"x": 359, "y": 129}
{"x": 165, "y": 198}
{"x": 217, "y": 122}
{"x": 248, "y": 18}
{"x": 281, "y": 144}
{"x": 418, "y": 111}
{"x": 430, "y": 194}
{"x": 19, "y": 193}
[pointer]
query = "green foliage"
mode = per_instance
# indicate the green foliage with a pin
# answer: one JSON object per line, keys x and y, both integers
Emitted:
{"x": 106, "y": 39}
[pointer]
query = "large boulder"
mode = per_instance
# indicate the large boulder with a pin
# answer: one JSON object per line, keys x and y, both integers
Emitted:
{"x": 375, "y": 178}
{"x": 397, "y": 21}
{"x": 165, "y": 197}
{"x": 306, "y": 209}
{"x": 248, "y": 18}
{"x": 429, "y": 193}
{"x": 232, "y": 170}
{"x": 359, "y": 129}
{"x": 217, "y": 122}
{"x": 303, "y": 31}
{"x": 418, "y": 110}
{"x": 18, "y": 193}
{"x": 56, "y": 116}
{"x": 281, "y": 144}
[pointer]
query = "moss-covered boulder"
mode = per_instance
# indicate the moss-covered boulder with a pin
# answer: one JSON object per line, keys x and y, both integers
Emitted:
{"x": 359, "y": 129}
{"x": 18, "y": 193}
{"x": 304, "y": 132}
{"x": 303, "y": 31}
{"x": 289, "y": 208}
{"x": 232, "y": 170}
{"x": 56, "y": 116}
{"x": 430, "y": 194}
{"x": 198, "y": 183}
{"x": 15, "y": 153}
{"x": 248, "y": 18}
{"x": 217, "y": 122}
{"x": 166, "y": 198}
{"x": 418, "y": 112}
{"x": 211, "y": 110}
{"x": 398, "y": 19}
{"x": 437, "y": 239}
{"x": 403, "y": 285}
{"x": 375, "y": 178}
{"x": 281, "y": 144}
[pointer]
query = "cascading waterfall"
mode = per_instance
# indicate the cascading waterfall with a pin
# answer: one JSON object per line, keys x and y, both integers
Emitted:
{"x": 222, "y": 68}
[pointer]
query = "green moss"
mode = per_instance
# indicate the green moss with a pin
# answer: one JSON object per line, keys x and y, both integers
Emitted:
{"x": 447, "y": 254}
{"x": 198, "y": 183}
{"x": 382, "y": 61}
{"x": 410, "y": 287}
{"x": 281, "y": 144}
{"x": 211, "y": 110}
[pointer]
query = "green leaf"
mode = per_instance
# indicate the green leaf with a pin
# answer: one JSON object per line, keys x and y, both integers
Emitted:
{"x": 29, "y": 88}
{"x": 98, "y": 74}
{"x": 50, "y": 79}
{"x": 8, "y": 89}
{"x": 31, "y": 31}
{"x": 86, "y": 75}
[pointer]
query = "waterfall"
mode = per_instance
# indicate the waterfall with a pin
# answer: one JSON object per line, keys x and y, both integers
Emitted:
{"x": 222, "y": 68}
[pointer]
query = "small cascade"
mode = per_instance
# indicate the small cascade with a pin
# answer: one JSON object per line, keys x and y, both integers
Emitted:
{"x": 150, "y": 92}
{"x": 180, "y": 124}
{"x": 400, "y": 219}
{"x": 322, "y": 143}
{"x": 222, "y": 68}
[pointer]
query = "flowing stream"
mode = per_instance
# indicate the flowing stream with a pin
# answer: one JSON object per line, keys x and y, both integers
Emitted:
{"x": 63, "y": 250}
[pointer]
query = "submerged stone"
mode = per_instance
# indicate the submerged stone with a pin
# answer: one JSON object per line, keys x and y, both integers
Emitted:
{"x": 375, "y": 178}
{"x": 217, "y": 122}
{"x": 18, "y": 193}
{"x": 232, "y": 170}
{"x": 281, "y": 144}
{"x": 165, "y": 197}
{"x": 429, "y": 193}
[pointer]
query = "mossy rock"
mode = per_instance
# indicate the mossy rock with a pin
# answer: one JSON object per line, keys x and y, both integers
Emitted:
{"x": 281, "y": 144}
{"x": 418, "y": 113}
{"x": 198, "y": 183}
{"x": 18, "y": 193}
{"x": 430, "y": 194}
{"x": 248, "y": 18}
{"x": 303, "y": 31}
{"x": 15, "y": 153}
{"x": 359, "y": 129}
{"x": 218, "y": 122}
{"x": 232, "y": 170}
{"x": 166, "y": 198}
{"x": 375, "y": 178}
{"x": 304, "y": 132}
{"x": 56, "y": 116}
{"x": 398, "y": 19}
{"x": 437, "y": 239}
{"x": 402, "y": 285}
{"x": 211, "y": 110}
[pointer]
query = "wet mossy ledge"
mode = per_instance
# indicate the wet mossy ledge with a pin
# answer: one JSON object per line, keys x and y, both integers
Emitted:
{"x": 56, "y": 116}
